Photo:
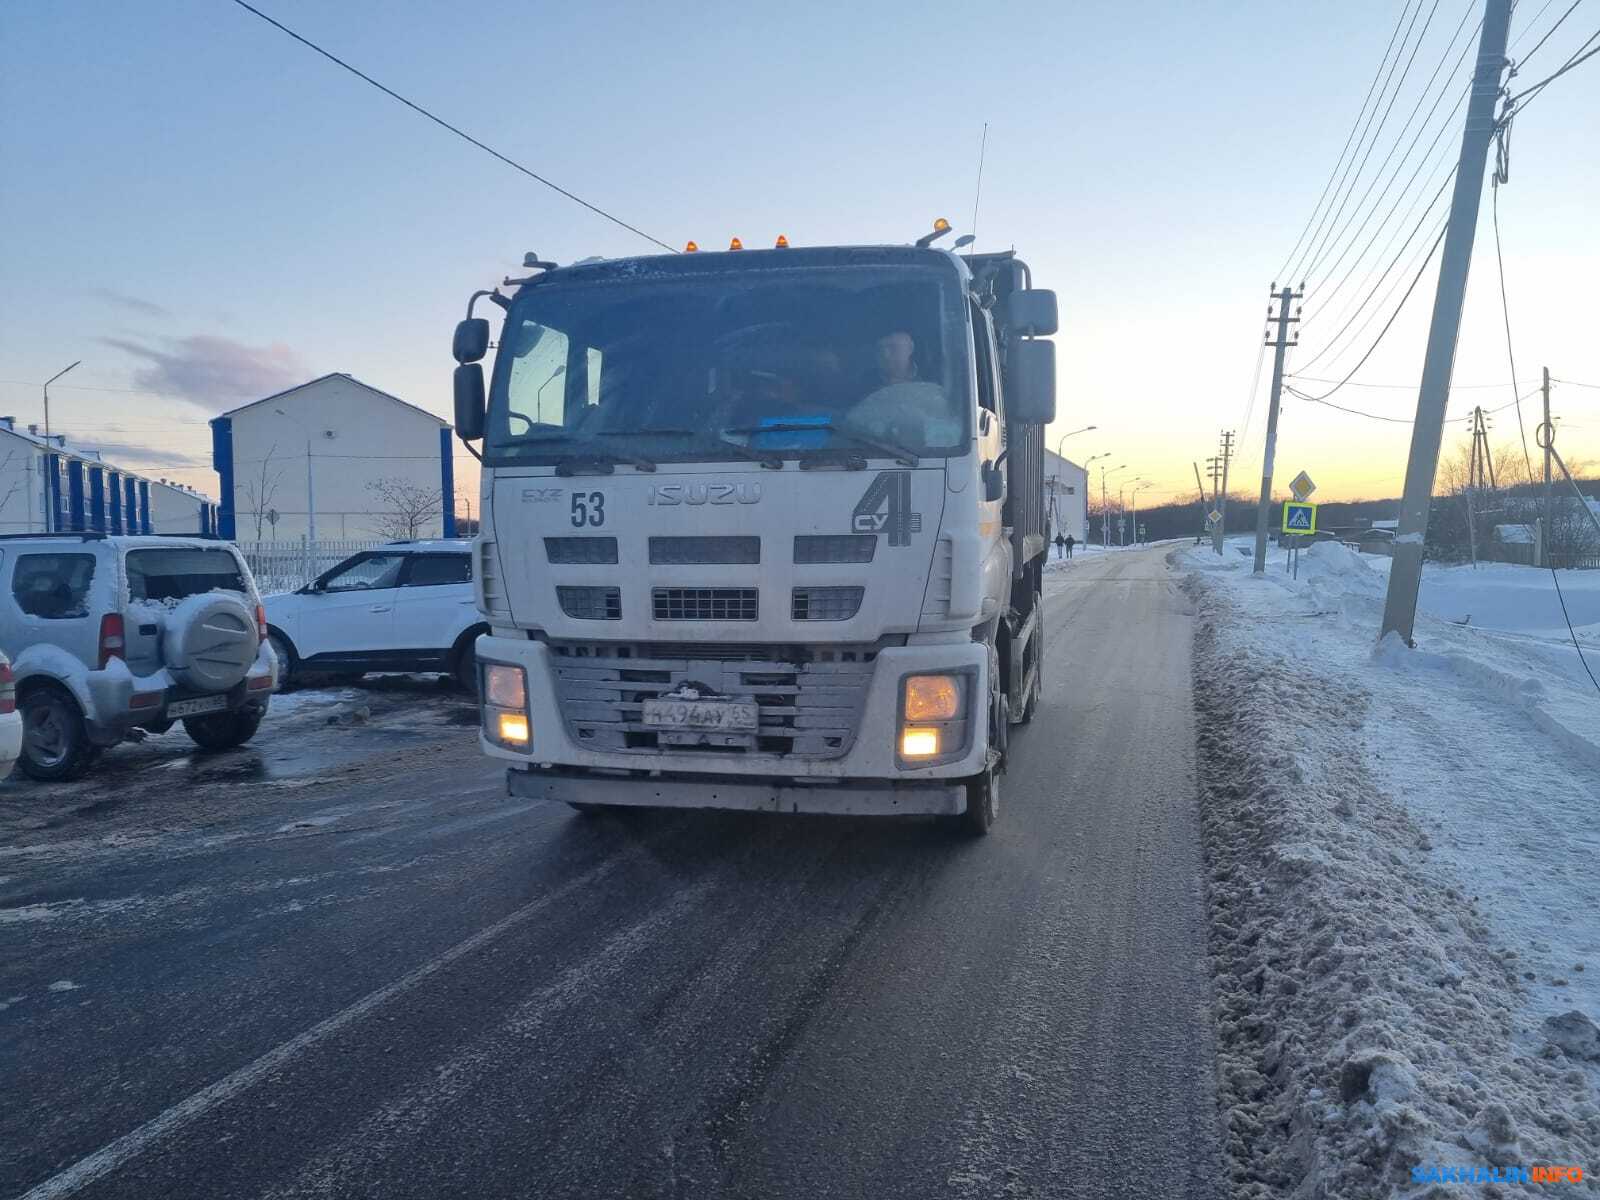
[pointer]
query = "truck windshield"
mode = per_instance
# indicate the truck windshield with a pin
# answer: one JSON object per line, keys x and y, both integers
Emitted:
{"x": 781, "y": 362}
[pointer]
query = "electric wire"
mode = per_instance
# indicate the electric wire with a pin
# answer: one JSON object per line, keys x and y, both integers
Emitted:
{"x": 1387, "y": 325}
{"x": 1523, "y": 61}
{"x": 1439, "y": 134}
{"x": 460, "y": 133}
{"x": 1515, "y": 104}
{"x": 1333, "y": 239}
{"x": 1333, "y": 174}
{"x": 1505, "y": 309}
{"x": 1342, "y": 193}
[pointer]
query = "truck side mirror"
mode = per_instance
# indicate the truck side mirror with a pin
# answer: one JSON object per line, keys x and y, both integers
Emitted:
{"x": 1032, "y": 313}
{"x": 1031, "y": 382}
{"x": 470, "y": 405}
{"x": 471, "y": 340}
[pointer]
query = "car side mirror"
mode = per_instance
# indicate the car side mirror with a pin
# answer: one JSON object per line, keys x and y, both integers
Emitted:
{"x": 470, "y": 404}
{"x": 471, "y": 340}
{"x": 1032, "y": 313}
{"x": 1031, "y": 382}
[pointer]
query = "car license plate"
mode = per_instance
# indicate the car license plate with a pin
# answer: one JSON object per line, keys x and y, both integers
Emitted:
{"x": 702, "y": 714}
{"x": 205, "y": 704}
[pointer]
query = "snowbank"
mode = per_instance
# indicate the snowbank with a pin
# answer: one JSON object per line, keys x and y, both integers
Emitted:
{"x": 1406, "y": 915}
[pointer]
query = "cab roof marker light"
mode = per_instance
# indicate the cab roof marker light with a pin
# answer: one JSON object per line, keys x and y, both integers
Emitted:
{"x": 940, "y": 228}
{"x": 736, "y": 244}
{"x": 782, "y": 243}
{"x": 692, "y": 248}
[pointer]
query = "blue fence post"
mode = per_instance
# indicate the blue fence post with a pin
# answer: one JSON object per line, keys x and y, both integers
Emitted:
{"x": 447, "y": 480}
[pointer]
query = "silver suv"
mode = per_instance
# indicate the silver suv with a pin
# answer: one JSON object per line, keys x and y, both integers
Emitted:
{"x": 108, "y": 635}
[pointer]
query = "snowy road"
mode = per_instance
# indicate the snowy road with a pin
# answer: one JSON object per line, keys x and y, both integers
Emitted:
{"x": 401, "y": 983}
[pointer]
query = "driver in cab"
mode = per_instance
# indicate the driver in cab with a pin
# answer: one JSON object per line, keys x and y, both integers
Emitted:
{"x": 901, "y": 406}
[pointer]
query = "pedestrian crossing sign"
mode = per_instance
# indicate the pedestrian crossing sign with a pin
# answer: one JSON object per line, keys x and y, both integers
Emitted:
{"x": 1299, "y": 517}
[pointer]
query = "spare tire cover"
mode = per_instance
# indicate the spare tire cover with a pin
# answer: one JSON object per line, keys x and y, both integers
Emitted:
{"x": 210, "y": 641}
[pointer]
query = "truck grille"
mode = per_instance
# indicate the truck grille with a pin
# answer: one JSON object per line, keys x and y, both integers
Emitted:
{"x": 704, "y": 604}
{"x": 591, "y": 603}
{"x": 825, "y": 603}
{"x": 695, "y": 551}
{"x": 584, "y": 551}
{"x": 809, "y": 701}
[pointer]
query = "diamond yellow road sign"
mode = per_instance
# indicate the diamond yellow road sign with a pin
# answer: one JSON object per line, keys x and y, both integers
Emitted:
{"x": 1302, "y": 487}
{"x": 1299, "y": 517}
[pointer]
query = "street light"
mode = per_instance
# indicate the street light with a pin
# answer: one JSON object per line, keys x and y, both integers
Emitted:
{"x": 47, "y": 384}
{"x": 1060, "y": 440}
{"x": 1122, "y": 511}
{"x": 1136, "y": 491}
{"x": 1105, "y": 507}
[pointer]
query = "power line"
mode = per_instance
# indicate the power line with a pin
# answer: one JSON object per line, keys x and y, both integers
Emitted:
{"x": 1387, "y": 325}
{"x": 1316, "y": 255}
{"x": 1319, "y": 259}
{"x": 1371, "y": 87}
{"x": 1523, "y": 61}
{"x": 1517, "y": 103}
{"x": 467, "y": 137}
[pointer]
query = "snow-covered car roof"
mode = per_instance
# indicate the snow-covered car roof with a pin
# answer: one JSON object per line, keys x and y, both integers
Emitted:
{"x": 434, "y": 546}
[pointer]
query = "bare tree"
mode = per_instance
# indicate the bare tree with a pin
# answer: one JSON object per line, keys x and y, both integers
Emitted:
{"x": 5, "y": 497}
{"x": 261, "y": 490}
{"x": 407, "y": 507}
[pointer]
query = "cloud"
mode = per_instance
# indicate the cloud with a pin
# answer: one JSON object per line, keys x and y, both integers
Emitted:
{"x": 212, "y": 373}
{"x": 145, "y": 308}
{"x": 139, "y": 454}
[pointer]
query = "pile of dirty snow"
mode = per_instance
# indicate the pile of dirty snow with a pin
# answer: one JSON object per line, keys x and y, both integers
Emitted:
{"x": 1372, "y": 1009}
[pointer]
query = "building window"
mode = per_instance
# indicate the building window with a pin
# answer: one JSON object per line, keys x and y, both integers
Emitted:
{"x": 1072, "y": 489}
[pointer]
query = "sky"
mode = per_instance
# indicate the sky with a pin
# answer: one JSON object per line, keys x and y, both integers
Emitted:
{"x": 204, "y": 211}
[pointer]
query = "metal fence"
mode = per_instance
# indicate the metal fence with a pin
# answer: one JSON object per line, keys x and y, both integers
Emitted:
{"x": 284, "y": 566}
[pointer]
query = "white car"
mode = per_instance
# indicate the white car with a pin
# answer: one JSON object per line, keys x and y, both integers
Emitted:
{"x": 10, "y": 720}
{"x": 407, "y": 606}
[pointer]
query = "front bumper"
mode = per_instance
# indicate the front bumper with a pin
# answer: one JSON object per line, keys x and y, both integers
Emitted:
{"x": 870, "y": 762}
{"x": 712, "y": 791}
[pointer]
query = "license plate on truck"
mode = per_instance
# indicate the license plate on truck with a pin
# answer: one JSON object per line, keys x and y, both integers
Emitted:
{"x": 189, "y": 708}
{"x": 733, "y": 715}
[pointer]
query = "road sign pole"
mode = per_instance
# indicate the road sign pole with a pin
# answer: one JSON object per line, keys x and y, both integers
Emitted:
{"x": 1427, "y": 433}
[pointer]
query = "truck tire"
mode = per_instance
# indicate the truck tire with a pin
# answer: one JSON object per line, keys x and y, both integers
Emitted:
{"x": 55, "y": 741}
{"x": 225, "y": 730}
{"x": 983, "y": 790}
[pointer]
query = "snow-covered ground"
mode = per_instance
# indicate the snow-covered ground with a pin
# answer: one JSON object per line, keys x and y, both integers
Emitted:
{"x": 1403, "y": 849}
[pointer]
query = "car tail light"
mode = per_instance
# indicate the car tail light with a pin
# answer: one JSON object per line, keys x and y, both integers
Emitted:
{"x": 112, "y": 639}
{"x": 261, "y": 622}
{"x": 8, "y": 690}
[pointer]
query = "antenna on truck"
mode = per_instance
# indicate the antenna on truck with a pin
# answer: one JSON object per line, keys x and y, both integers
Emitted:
{"x": 977, "y": 195}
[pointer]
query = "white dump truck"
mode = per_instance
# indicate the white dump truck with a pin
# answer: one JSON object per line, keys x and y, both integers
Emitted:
{"x": 762, "y": 529}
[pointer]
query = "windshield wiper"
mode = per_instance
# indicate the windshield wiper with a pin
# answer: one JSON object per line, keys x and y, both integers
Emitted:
{"x": 772, "y": 462}
{"x": 587, "y": 454}
{"x": 885, "y": 449}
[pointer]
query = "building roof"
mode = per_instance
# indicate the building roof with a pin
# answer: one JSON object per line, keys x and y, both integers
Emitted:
{"x": 1049, "y": 454}
{"x": 443, "y": 424}
{"x": 59, "y": 446}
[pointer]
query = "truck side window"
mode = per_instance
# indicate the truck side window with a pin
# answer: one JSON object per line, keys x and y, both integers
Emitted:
{"x": 984, "y": 342}
{"x": 53, "y": 586}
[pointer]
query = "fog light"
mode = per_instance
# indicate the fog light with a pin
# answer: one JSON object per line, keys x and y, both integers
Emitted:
{"x": 513, "y": 729}
{"x": 919, "y": 743}
{"x": 932, "y": 697}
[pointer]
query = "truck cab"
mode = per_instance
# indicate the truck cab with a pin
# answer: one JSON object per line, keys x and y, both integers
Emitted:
{"x": 762, "y": 529}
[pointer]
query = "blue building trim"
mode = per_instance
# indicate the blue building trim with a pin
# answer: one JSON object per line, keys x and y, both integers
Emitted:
{"x": 55, "y": 521}
{"x": 75, "y": 496}
{"x": 144, "y": 506}
{"x": 205, "y": 520}
{"x": 130, "y": 503}
{"x": 447, "y": 480}
{"x": 114, "y": 498}
{"x": 97, "y": 499}
{"x": 222, "y": 462}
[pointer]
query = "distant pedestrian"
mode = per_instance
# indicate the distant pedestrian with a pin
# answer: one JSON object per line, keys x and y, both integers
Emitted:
{"x": 1071, "y": 542}
{"x": 1061, "y": 544}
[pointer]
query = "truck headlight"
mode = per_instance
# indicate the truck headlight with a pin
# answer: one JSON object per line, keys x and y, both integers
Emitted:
{"x": 932, "y": 698}
{"x": 919, "y": 743}
{"x": 505, "y": 706}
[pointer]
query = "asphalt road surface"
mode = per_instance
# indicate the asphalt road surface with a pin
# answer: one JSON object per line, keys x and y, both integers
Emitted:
{"x": 382, "y": 977}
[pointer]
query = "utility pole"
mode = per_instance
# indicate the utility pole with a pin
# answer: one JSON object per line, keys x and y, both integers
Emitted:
{"x": 1201, "y": 488}
{"x": 1549, "y": 442}
{"x": 1281, "y": 343}
{"x": 1222, "y": 499}
{"x": 1405, "y": 577}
